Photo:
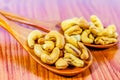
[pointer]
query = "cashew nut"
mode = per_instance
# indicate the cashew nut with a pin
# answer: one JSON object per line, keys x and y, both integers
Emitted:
{"x": 71, "y": 40}
{"x": 72, "y": 49}
{"x": 71, "y": 59}
{"x": 34, "y": 35}
{"x": 61, "y": 64}
{"x": 73, "y": 30}
{"x": 58, "y": 37}
{"x": 48, "y": 58}
{"x": 66, "y": 24}
{"x": 105, "y": 40}
{"x": 84, "y": 54}
{"x": 86, "y": 37}
{"x": 48, "y": 46}
{"x": 52, "y": 58}
{"x": 97, "y": 22}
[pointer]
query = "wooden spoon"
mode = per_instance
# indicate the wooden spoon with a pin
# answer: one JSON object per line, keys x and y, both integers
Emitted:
{"x": 42, "y": 25}
{"x": 21, "y": 34}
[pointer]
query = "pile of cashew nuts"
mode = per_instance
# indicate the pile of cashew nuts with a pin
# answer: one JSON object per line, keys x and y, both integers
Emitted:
{"x": 63, "y": 50}
{"x": 54, "y": 48}
{"x": 92, "y": 32}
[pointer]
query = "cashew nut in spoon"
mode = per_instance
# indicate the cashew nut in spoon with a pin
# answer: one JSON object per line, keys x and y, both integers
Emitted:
{"x": 86, "y": 37}
{"x": 34, "y": 35}
{"x": 84, "y": 52}
{"x": 97, "y": 22}
{"x": 58, "y": 37}
{"x": 73, "y": 60}
{"x": 72, "y": 49}
{"x": 73, "y": 30}
{"x": 61, "y": 64}
{"x": 48, "y": 58}
{"x": 48, "y": 46}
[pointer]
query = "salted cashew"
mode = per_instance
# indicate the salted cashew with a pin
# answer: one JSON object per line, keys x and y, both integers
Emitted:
{"x": 48, "y": 46}
{"x": 105, "y": 40}
{"x": 48, "y": 58}
{"x": 66, "y": 24}
{"x": 109, "y": 31}
{"x": 97, "y": 22}
{"x": 34, "y": 35}
{"x": 73, "y": 30}
{"x": 73, "y": 60}
{"x": 52, "y": 58}
{"x": 72, "y": 49}
{"x": 71, "y": 40}
{"x": 61, "y": 63}
{"x": 86, "y": 37}
{"x": 83, "y": 23}
{"x": 84, "y": 52}
{"x": 58, "y": 37}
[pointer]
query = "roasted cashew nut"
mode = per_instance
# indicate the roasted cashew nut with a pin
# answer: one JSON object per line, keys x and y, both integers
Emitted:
{"x": 34, "y": 35}
{"x": 66, "y": 24}
{"x": 48, "y": 58}
{"x": 71, "y": 40}
{"x": 72, "y": 60}
{"x": 69, "y": 48}
{"x": 58, "y": 37}
{"x": 86, "y": 37}
{"x": 84, "y": 54}
{"x": 97, "y": 22}
{"x": 48, "y": 46}
{"x": 61, "y": 63}
{"x": 105, "y": 40}
{"x": 73, "y": 30}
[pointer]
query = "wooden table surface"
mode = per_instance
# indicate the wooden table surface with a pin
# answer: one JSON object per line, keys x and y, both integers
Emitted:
{"x": 17, "y": 64}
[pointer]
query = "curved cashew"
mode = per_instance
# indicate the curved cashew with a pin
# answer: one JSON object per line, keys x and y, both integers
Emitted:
{"x": 96, "y": 21}
{"x": 48, "y": 46}
{"x": 34, "y": 35}
{"x": 66, "y": 24}
{"x": 73, "y": 30}
{"x": 52, "y": 58}
{"x": 83, "y": 23}
{"x": 58, "y": 37}
{"x": 105, "y": 40}
{"x": 71, "y": 59}
{"x": 48, "y": 58}
{"x": 84, "y": 54}
{"x": 61, "y": 64}
{"x": 86, "y": 37}
{"x": 72, "y": 49}
{"x": 71, "y": 40}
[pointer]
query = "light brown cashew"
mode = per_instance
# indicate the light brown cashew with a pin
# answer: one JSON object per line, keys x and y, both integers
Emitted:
{"x": 85, "y": 38}
{"x": 71, "y": 40}
{"x": 73, "y": 30}
{"x": 66, "y": 24}
{"x": 72, "y": 60}
{"x": 97, "y": 22}
{"x": 48, "y": 58}
{"x": 34, "y": 35}
{"x": 61, "y": 64}
{"x": 48, "y": 46}
{"x": 105, "y": 40}
{"x": 72, "y": 49}
{"x": 58, "y": 37}
{"x": 52, "y": 58}
{"x": 84, "y": 50}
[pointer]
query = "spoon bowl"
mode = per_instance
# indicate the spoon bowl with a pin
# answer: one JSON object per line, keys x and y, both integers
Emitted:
{"x": 21, "y": 33}
{"x": 101, "y": 46}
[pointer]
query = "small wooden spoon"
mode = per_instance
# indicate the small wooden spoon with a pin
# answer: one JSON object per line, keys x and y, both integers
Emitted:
{"x": 21, "y": 34}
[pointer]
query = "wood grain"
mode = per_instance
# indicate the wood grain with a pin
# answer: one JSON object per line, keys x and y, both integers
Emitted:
{"x": 16, "y": 64}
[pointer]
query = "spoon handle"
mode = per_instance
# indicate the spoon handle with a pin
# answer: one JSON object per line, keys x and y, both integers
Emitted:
{"x": 38, "y": 24}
